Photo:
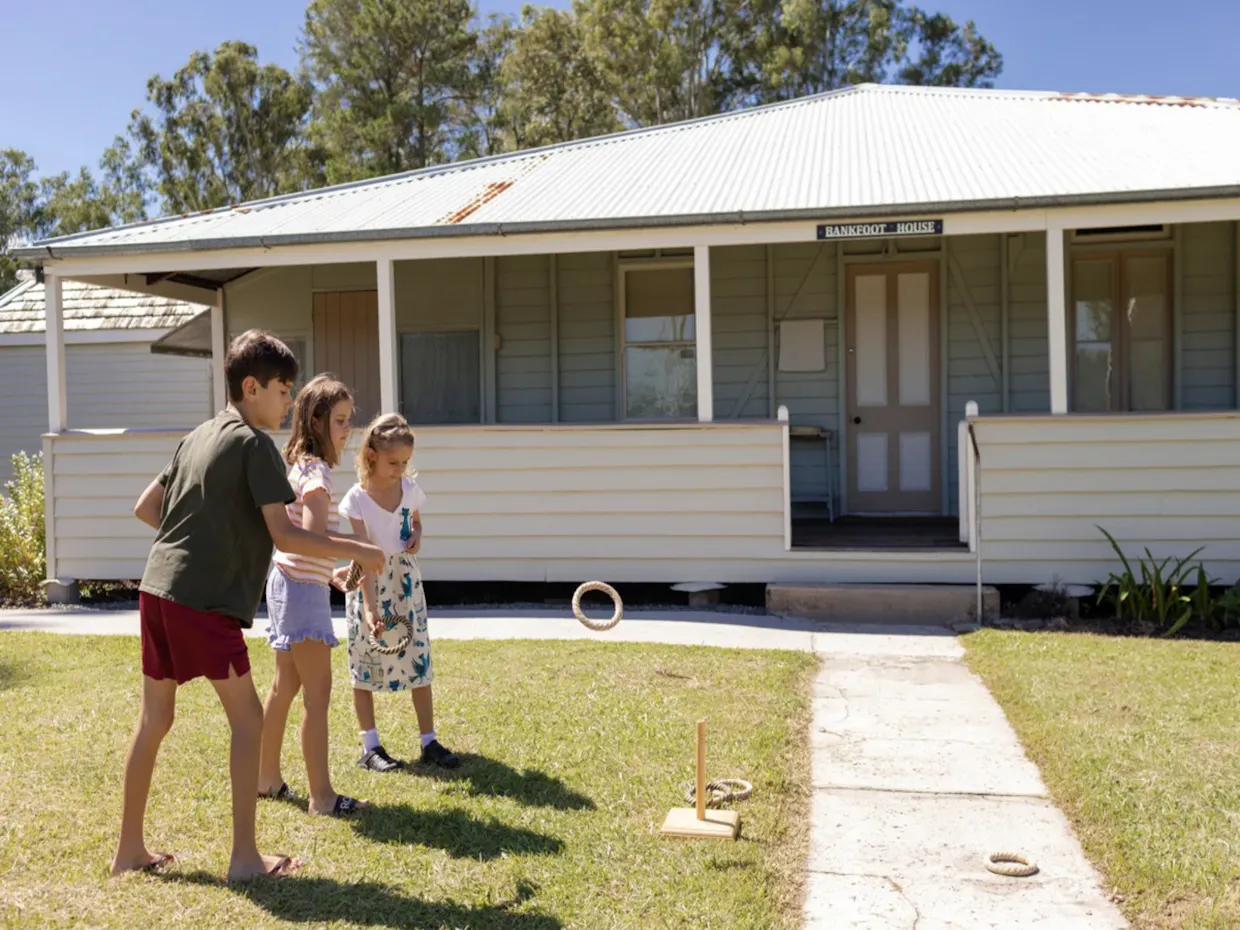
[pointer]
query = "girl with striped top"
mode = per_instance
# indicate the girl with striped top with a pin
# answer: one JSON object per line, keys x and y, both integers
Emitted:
{"x": 299, "y": 598}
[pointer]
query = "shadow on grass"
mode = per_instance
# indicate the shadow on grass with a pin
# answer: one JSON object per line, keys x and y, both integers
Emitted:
{"x": 454, "y": 831}
{"x": 487, "y": 776}
{"x": 11, "y": 675}
{"x": 304, "y": 899}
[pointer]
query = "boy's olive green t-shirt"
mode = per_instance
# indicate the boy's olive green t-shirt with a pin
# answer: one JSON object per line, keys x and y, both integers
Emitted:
{"x": 212, "y": 550}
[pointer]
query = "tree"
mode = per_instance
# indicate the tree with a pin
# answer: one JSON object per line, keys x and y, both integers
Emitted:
{"x": 81, "y": 204}
{"x": 19, "y": 194}
{"x": 800, "y": 47}
{"x": 664, "y": 60}
{"x": 551, "y": 89}
{"x": 483, "y": 126}
{"x": 226, "y": 129}
{"x": 389, "y": 76}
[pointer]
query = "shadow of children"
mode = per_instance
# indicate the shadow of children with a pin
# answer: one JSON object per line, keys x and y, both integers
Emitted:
{"x": 304, "y": 899}
{"x": 531, "y": 787}
{"x": 454, "y": 831}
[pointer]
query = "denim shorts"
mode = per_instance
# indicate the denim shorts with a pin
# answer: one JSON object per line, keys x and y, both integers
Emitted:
{"x": 297, "y": 611}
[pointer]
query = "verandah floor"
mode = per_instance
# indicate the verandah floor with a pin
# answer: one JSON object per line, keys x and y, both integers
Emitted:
{"x": 812, "y": 531}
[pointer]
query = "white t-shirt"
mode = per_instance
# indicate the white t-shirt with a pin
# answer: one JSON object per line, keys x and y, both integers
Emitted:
{"x": 389, "y": 530}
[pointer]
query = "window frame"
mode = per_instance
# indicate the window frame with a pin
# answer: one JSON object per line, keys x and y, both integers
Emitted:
{"x": 1121, "y": 334}
{"x": 623, "y": 268}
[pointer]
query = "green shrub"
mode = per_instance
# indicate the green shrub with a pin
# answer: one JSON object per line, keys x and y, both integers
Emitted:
{"x": 1161, "y": 596}
{"x": 23, "y": 549}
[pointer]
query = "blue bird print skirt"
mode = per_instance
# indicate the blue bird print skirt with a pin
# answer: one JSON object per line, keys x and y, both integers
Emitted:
{"x": 399, "y": 593}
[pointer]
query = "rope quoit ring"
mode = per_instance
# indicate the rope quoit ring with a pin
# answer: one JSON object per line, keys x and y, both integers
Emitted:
{"x": 401, "y": 644}
{"x": 598, "y": 625}
{"x": 720, "y": 791}
{"x": 1011, "y": 864}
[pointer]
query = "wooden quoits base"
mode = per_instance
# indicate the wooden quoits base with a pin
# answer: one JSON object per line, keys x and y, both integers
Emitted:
{"x": 698, "y": 822}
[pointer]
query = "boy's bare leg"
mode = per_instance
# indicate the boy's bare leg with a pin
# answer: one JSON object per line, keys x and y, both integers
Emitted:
{"x": 364, "y": 707}
{"x": 314, "y": 665}
{"x": 159, "y": 698}
{"x": 245, "y": 717}
{"x": 424, "y": 707}
{"x": 284, "y": 688}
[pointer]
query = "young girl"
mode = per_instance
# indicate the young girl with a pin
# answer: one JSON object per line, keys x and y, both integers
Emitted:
{"x": 384, "y": 507}
{"x": 299, "y": 602}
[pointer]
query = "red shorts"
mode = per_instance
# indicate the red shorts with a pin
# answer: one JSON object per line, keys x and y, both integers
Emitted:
{"x": 182, "y": 643}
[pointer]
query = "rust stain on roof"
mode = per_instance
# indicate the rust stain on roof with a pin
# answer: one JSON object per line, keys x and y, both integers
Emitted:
{"x": 479, "y": 200}
{"x": 489, "y": 192}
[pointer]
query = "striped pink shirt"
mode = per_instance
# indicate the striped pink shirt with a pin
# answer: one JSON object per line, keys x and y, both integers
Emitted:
{"x": 306, "y": 477}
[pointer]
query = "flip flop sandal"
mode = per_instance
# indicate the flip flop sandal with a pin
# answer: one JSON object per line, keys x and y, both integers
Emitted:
{"x": 161, "y": 862}
{"x": 345, "y": 806}
{"x": 282, "y": 794}
{"x": 286, "y": 866}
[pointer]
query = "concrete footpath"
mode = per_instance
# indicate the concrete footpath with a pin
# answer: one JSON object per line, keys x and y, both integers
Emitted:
{"x": 916, "y": 773}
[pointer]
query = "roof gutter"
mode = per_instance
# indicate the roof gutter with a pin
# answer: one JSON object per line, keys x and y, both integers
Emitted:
{"x": 41, "y": 252}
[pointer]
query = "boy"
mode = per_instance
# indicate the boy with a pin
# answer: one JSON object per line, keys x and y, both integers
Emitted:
{"x": 218, "y": 507}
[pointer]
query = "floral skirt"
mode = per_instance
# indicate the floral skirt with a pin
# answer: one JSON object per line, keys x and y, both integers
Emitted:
{"x": 399, "y": 594}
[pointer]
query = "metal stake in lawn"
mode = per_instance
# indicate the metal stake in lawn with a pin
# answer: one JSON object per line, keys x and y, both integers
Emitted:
{"x": 700, "y": 823}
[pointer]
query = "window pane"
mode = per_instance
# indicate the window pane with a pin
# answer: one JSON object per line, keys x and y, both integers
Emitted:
{"x": 439, "y": 378}
{"x": 1146, "y": 315}
{"x": 1094, "y": 305}
{"x": 658, "y": 305}
{"x": 660, "y": 382}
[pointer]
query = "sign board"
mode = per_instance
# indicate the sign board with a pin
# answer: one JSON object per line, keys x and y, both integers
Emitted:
{"x": 872, "y": 230}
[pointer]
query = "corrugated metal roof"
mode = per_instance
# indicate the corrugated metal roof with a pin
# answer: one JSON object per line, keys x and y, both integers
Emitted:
{"x": 89, "y": 307}
{"x": 867, "y": 150}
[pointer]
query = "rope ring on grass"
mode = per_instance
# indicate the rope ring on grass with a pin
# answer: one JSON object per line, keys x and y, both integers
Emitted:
{"x": 401, "y": 644}
{"x": 1011, "y": 864}
{"x": 598, "y": 625}
{"x": 720, "y": 791}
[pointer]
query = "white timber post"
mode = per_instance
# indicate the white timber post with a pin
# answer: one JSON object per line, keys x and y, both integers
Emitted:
{"x": 57, "y": 390}
{"x": 701, "y": 326}
{"x": 387, "y": 335}
{"x": 1056, "y": 318}
{"x": 219, "y": 389}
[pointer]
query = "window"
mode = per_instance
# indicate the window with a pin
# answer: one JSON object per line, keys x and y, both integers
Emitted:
{"x": 660, "y": 351}
{"x": 439, "y": 377}
{"x": 1121, "y": 326}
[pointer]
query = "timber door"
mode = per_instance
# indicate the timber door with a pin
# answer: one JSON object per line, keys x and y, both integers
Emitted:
{"x": 892, "y": 332}
{"x": 346, "y": 343}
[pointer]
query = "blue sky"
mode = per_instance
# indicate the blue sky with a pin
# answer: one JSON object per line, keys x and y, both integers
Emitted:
{"x": 73, "y": 70}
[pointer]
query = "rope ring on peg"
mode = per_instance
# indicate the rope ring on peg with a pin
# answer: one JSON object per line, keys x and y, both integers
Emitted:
{"x": 598, "y": 625}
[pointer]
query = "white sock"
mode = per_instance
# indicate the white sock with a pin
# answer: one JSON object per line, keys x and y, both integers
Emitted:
{"x": 370, "y": 740}
{"x": 428, "y": 738}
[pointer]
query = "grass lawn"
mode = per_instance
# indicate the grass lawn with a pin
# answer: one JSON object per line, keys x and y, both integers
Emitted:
{"x": 1139, "y": 743}
{"x": 573, "y": 753}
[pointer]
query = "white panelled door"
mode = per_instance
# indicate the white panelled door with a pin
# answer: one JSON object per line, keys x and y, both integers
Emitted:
{"x": 892, "y": 332}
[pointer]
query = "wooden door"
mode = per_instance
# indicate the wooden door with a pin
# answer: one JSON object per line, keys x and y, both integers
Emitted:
{"x": 346, "y": 343}
{"x": 892, "y": 328}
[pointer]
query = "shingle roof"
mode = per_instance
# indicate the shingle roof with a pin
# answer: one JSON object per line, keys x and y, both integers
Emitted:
{"x": 90, "y": 307}
{"x": 863, "y": 151}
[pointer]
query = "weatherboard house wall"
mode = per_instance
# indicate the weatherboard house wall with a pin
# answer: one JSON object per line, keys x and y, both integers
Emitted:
{"x": 555, "y": 482}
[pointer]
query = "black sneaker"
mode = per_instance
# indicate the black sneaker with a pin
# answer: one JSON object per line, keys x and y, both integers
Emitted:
{"x": 377, "y": 760}
{"x": 435, "y": 754}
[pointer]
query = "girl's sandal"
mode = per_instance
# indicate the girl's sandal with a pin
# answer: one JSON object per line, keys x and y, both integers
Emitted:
{"x": 344, "y": 807}
{"x": 283, "y": 793}
{"x": 160, "y": 863}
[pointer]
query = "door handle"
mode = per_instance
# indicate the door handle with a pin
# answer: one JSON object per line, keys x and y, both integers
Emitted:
{"x": 856, "y": 419}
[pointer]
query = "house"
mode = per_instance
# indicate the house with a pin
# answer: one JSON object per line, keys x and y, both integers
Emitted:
{"x": 876, "y": 335}
{"x": 111, "y": 374}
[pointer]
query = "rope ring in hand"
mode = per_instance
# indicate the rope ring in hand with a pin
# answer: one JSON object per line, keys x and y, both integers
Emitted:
{"x": 401, "y": 644}
{"x": 598, "y": 625}
{"x": 1011, "y": 864}
{"x": 720, "y": 791}
{"x": 354, "y": 578}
